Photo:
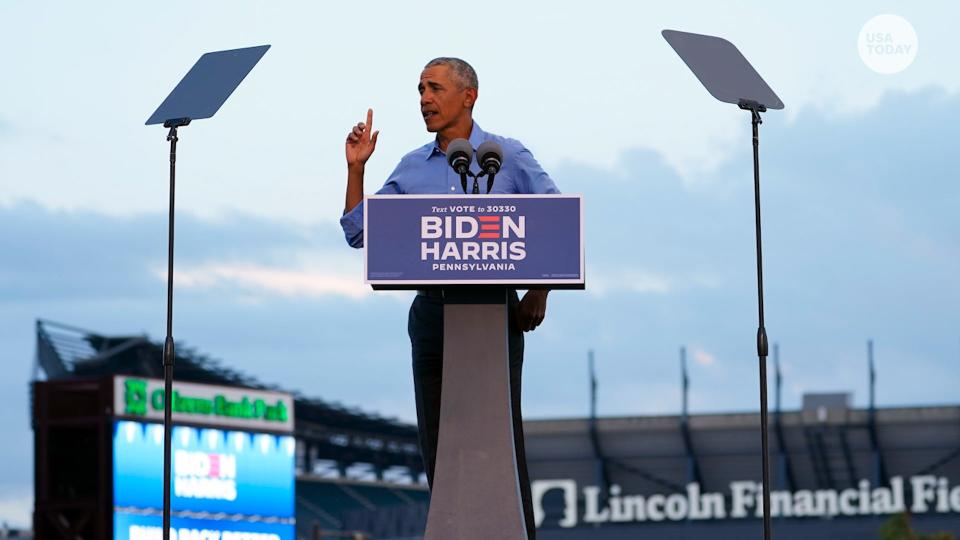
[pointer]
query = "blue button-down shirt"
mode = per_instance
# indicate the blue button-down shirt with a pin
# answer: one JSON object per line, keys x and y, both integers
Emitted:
{"x": 425, "y": 171}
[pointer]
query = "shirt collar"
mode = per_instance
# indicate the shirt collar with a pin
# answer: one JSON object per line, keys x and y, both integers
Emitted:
{"x": 477, "y": 136}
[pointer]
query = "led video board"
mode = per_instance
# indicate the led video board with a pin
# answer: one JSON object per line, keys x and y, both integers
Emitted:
{"x": 225, "y": 484}
{"x": 148, "y": 527}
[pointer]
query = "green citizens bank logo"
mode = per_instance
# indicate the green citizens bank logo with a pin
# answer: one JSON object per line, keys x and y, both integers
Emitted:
{"x": 138, "y": 398}
{"x": 135, "y": 393}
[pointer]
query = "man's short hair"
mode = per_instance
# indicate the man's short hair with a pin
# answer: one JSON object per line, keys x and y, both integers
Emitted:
{"x": 463, "y": 72}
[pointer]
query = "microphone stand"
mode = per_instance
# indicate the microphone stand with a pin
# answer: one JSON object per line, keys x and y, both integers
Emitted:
{"x": 476, "y": 186}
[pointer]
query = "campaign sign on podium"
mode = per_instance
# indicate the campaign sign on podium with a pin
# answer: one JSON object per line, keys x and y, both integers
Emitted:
{"x": 414, "y": 241}
{"x": 474, "y": 248}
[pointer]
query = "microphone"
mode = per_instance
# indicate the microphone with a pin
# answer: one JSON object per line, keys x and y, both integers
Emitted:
{"x": 459, "y": 154}
{"x": 490, "y": 159}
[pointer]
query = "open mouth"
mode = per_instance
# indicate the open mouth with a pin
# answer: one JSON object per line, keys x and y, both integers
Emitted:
{"x": 428, "y": 114}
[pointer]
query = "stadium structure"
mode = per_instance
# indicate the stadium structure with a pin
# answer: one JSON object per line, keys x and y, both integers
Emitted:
{"x": 352, "y": 468}
{"x": 839, "y": 472}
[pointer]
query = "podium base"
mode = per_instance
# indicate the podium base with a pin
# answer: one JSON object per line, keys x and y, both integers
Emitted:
{"x": 476, "y": 493}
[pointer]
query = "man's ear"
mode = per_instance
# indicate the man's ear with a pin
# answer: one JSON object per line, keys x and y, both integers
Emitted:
{"x": 471, "y": 99}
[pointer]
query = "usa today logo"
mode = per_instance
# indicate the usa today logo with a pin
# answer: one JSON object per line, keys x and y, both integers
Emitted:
{"x": 887, "y": 44}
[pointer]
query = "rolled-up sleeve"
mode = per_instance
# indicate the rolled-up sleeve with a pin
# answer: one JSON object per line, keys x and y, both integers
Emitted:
{"x": 352, "y": 221}
{"x": 352, "y": 224}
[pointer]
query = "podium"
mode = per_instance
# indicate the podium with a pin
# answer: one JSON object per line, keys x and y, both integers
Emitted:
{"x": 474, "y": 249}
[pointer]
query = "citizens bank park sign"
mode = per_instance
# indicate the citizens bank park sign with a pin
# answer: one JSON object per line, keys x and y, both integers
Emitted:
{"x": 223, "y": 406}
{"x": 417, "y": 240}
{"x": 916, "y": 494}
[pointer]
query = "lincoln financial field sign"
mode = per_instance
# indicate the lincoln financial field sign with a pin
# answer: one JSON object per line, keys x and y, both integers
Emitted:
{"x": 744, "y": 500}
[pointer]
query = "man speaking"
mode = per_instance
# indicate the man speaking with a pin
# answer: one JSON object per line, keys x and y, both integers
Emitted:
{"x": 448, "y": 92}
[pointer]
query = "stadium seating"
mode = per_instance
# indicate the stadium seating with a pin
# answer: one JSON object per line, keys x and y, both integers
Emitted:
{"x": 335, "y": 505}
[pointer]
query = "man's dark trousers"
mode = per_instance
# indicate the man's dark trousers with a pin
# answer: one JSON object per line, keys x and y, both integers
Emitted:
{"x": 425, "y": 326}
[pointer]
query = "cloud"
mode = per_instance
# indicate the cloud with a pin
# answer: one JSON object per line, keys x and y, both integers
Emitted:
{"x": 855, "y": 202}
{"x": 861, "y": 240}
{"x": 703, "y": 358}
{"x": 308, "y": 282}
{"x": 87, "y": 255}
{"x": 608, "y": 280}
{"x": 16, "y": 507}
{"x": 620, "y": 277}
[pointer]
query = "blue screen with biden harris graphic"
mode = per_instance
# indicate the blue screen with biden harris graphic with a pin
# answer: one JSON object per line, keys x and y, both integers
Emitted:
{"x": 237, "y": 483}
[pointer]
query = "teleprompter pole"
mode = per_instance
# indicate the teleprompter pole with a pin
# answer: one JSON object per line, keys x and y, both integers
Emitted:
{"x": 762, "y": 345}
{"x": 169, "y": 355}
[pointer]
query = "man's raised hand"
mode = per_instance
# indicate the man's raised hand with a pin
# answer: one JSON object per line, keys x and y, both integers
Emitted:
{"x": 361, "y": 142}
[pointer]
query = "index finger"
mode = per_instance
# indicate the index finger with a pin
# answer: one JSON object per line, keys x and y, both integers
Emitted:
{"x": 369, "y": 125}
